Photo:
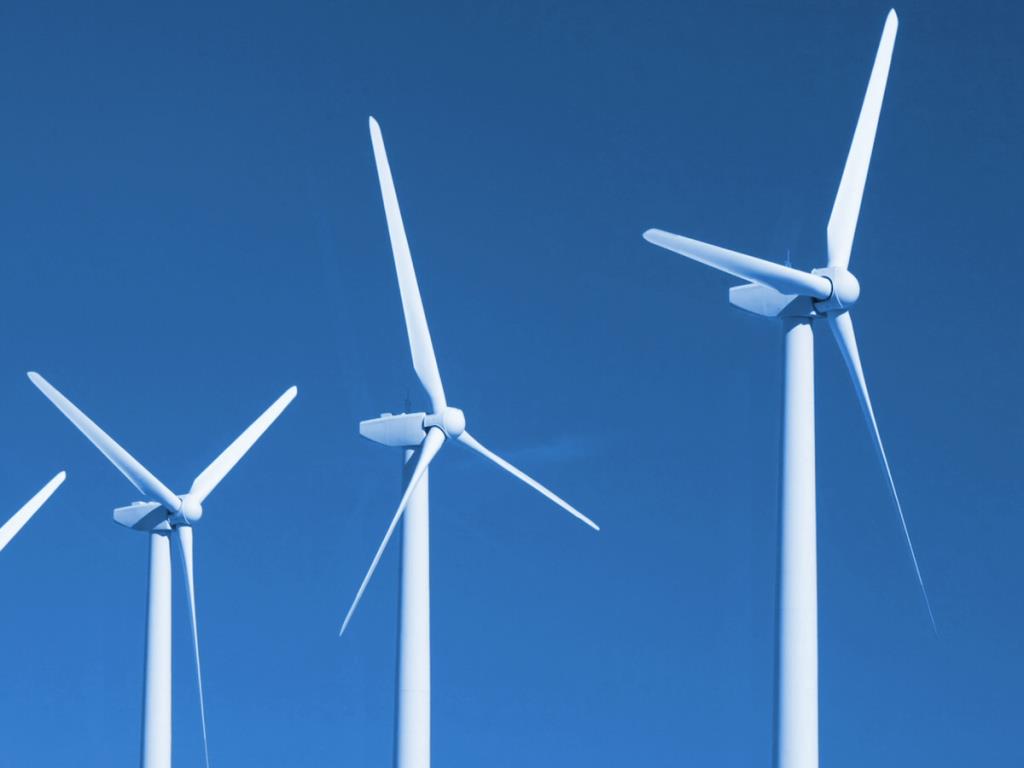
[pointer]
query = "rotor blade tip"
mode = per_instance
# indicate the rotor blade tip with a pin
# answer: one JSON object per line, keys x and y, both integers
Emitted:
{"x": 34, "y": 377}
{"x": 374, "y": 125}
{"x": 292, "y": 392}
{"x": 650, "y": 234}
{"x": 61, "y": 477}
{"x": 892, "y": 18}
{"x": 345, "y": 623}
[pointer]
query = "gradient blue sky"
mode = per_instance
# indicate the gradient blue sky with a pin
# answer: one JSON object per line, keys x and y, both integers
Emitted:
{"x": 191, "y": 223}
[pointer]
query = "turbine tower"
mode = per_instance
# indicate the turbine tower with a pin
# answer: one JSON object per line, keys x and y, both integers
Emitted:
{"x": 163, "y": 516}
{"x": 800, "y": 299}
{"x": 420, "y": 436}
{"x": 17, "y": 521}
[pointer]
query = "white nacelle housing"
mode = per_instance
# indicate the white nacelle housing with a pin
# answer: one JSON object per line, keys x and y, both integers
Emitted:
{"x": 142, "y": 516}
{"x": 767, "y": 302}
{"x": 401, "y": 430}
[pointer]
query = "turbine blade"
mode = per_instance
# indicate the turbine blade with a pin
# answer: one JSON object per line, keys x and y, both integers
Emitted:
{"x": 210, "y": 477}
{"x": 10, "y": 529}
{"x": 184, "y": 535}
{"x": 137, "y": 474}
{"x": 783, "y": 279}
{"x": 423, "y": 360}
{"x": 842, "y": 329}
{"x": 471, "y": 442}
{"x": 427, "y": 451}
{"x": 842, "y": 224}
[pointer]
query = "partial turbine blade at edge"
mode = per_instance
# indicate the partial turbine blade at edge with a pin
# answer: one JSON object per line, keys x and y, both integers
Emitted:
{"x": 210, "y": 477}
{"x": 842, "y": 224}
{"x": 183, "y": 533}
{"x": 427, "y": 451}
{"x": 842, "y": 329}
{"x": 138, "y": 475}
{"x": 10, "y": 529}
{"x": 786, "y": 280}
{"x": 470, "y": 442}
{"x": 422, "y": 348}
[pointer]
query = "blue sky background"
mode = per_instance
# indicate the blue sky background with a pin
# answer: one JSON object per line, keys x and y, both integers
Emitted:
{"x": 191, "y": 223}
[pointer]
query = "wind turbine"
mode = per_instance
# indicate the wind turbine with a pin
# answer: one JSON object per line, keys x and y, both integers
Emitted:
{"x": 163, "y": 516}
{"x": 420, "y": 436}
{"x": 799, "y": 299}
{"x": 10, "y": 529}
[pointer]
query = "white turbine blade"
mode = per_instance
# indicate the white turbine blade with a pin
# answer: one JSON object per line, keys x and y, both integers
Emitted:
{"x": 470, "y": 442}
{"x": 427, "y": 451}
{"x": 423, "y": 360}
{"x": 10, "y": 529}
{"x": 184, "y": 536}
{"x": 782, "y": 278}
{"x": 139, "y": 476}
{"x": 210, "y": 477}
{"x": 842, "y": 328}
{"x": 842, "y": 224}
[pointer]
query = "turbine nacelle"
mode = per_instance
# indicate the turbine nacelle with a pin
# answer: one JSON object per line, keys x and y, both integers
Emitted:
{"x": 766, "y": 301}
{"x": 152, "y": 515}
{"x": 396, "y": 430}
{"x": 407, "y": 430}
{"x": 144, "y": 516}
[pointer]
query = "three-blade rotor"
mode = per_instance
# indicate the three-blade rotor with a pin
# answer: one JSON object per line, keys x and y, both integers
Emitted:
{"x": 445, "y": 421}
{"x": 833, "y": 289}
{"x": 167, "y": 511}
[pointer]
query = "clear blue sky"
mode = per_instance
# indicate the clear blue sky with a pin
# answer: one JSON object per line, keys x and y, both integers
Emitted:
{"x": 191, "y": 223}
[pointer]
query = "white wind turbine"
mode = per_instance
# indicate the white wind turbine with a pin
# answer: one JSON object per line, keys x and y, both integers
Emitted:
{"x": 420, "y": 436}
{"x": 10, "y": 529}
{"x": 166, "y": 514}
{"x": 799, "y": 298}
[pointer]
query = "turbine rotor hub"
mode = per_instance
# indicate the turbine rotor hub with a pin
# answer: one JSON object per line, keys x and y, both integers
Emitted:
{"x": 191, "y": 510}
{"x": 451, "y": 421}
{"x": 845, "y": 289}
